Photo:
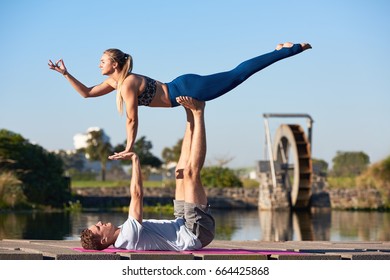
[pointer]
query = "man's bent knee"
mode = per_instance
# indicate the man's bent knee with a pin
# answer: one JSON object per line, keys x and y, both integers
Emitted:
{"x": 191, "y": 173}
{"x": 179, "y": 173}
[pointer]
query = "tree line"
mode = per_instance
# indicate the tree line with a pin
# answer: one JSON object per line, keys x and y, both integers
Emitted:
{"x": 33, "y": 176}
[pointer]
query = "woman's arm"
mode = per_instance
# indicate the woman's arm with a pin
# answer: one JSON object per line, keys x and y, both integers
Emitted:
{"x": 131, "y": 104}
{"x": 83, "y": 90}
{"x": 129, "y": 93}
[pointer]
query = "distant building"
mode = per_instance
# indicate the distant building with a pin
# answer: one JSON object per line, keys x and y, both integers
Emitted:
{"x": 80, "y": 139}
{"x": 114, "y": 168}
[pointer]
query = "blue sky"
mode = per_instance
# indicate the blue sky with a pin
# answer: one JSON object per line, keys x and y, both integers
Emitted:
{"x": 343, "y": 82}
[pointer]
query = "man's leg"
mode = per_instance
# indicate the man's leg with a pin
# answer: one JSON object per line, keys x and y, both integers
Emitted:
{"x": 193, "y": 189}
{"x": 184, "y": 155}
{"x": 196, "y": 209}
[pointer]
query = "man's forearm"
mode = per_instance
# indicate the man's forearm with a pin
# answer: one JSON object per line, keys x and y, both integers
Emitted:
{"x": 136, "y": 191}
{"x": 136, "y": 177}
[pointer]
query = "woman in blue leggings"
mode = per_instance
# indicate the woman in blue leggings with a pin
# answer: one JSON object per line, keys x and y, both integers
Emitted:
{"x": 135, "y": 90}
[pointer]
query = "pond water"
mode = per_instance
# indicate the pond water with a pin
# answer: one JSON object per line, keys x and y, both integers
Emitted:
{"x": 240, "y": 225}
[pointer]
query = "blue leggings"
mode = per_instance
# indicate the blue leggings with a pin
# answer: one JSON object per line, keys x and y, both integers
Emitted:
{"x": 209, "y": 87}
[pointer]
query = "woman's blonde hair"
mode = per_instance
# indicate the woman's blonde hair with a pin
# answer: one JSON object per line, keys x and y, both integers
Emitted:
{"x": 125, "y": 64}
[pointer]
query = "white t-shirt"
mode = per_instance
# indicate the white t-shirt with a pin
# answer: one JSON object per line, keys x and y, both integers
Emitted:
{"x": 163, "y": 235}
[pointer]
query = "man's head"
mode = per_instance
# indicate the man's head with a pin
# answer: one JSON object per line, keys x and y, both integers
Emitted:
{"x": 98, "y": 236}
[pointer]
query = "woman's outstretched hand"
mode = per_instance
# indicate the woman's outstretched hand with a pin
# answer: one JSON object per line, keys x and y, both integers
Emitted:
{"x": 59, "y": 66}
{"x": 122, "y": 155}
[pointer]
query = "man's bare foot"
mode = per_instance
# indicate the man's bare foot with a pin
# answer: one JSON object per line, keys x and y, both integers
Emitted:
{"x": 305, "y": 46}
{"x": 284, "y": 45}
{"x": 191, "y": 103}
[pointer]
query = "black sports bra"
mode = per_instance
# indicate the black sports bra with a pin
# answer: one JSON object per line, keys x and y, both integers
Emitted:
{"x": 146, "y": 97}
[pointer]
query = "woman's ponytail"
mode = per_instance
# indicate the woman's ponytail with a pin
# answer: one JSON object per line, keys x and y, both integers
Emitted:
{"x": 125, "y": 64}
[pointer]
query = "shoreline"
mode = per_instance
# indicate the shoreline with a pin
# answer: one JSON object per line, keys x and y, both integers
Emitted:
{"x": 236, "y": 198}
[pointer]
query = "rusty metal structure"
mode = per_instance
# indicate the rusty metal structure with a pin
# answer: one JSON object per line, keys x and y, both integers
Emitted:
{"x": 290, "y": 163}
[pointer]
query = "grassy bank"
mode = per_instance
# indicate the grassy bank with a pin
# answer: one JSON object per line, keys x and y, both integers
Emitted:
{"x": 247, "y": 183}
{"x": 110, "y": 184}
{"x": 341, "y": 182}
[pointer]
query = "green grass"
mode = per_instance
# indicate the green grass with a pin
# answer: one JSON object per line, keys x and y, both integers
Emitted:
{"x": 250, "y": 183}
{"x": 111, "y": 184}
{"x": 341, "y": 182}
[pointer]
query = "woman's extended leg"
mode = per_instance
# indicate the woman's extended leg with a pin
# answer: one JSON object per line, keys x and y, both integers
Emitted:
{"x": 209, "y": 87}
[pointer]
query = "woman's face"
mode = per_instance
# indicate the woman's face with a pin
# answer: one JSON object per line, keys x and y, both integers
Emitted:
{"x": 107, "y": 65}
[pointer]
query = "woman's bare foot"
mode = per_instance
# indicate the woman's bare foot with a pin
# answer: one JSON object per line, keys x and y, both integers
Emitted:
{"x": 305, "y": 46}
{"x": 191, "y": 103}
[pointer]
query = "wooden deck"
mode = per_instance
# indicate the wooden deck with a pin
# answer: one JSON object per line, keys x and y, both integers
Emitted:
{"x": 218, "y": 250}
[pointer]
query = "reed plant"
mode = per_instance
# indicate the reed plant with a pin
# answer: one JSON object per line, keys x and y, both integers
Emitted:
{"x": 11, "y": 192}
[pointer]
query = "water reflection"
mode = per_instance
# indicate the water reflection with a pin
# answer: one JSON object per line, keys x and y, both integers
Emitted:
{"x": 299, "y": 226}
{"x": 324, "y": 225}
{"x": 358, "y": 226}
{"x": 35, "y": 225}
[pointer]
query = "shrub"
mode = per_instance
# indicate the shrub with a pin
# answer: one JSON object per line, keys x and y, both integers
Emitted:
{"x": 376, "y": 176}
{"x": 219, "y": 177}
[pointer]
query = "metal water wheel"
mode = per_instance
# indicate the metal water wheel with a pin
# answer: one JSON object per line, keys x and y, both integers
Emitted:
{"x": 290, "y": 158}
{"x": 291, "y": 152}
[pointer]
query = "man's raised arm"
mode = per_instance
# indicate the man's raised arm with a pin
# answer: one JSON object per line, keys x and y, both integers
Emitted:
{"x": 136, "y": 185}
